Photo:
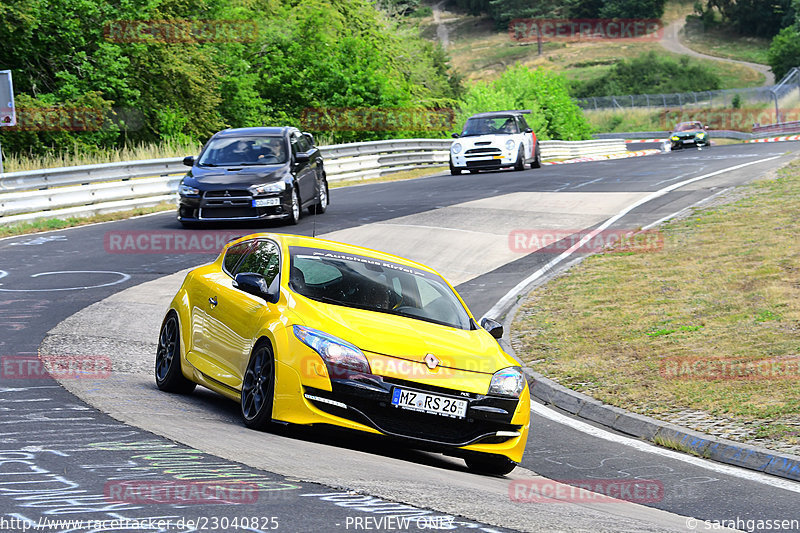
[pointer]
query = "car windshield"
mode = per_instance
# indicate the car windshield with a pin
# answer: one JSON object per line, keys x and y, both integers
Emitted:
{"x": 503, "y": 125}
{"x": 688, "y": 126}
{"x": 350, "y": 280}
{"x": 256, "y": 150}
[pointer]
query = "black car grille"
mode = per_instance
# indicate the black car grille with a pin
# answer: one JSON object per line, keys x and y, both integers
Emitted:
{"x": 375, "y": 410}
{"x": 483, "y": 151}
{"x": 226, "y": 193}
{"x": 494, "y": 163}
{"x": 229, "y": 212}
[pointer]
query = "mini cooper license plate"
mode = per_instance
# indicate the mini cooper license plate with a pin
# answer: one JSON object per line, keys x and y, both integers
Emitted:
{"x": 266, "y": 202}
{"x": 429, "y": 403}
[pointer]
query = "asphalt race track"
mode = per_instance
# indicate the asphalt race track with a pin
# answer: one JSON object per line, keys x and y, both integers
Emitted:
{"x": 63, "y": 459}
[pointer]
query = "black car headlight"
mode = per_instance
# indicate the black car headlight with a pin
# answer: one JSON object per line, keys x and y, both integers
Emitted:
{"x": 508, "y": 382}
{"x": 185, "y": 190}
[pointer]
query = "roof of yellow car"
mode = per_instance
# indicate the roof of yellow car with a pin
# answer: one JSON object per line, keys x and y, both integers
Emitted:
{"x": 315, "y": 242}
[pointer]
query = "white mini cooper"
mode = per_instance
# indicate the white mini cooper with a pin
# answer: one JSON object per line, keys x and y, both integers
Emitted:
{"x": 495, "y": 140}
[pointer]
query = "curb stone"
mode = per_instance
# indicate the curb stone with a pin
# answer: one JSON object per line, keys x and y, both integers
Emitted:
{"x": 707, "y": 446}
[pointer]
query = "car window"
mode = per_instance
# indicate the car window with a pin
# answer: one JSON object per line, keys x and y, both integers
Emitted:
{"x": 263, "y": 259}
{"x": 376, "y": 285}
{"x": 251, "y": 150}
{"x": 234, "y": 254}
{"x": 302, "y": 144}
{"x": 502, "y": 125}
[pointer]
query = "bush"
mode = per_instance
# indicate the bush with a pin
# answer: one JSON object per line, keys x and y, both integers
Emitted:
{"x": 784, "y": 52}
{"x": 553, "y": 113}
{"x": 651, "y": 73}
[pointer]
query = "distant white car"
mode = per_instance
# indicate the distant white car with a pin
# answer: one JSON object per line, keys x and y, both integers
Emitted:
{"x": 490, "y": 141}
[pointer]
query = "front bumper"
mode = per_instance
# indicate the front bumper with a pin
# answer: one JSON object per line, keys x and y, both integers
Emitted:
{"x": 680, "y": 142}
{"x": 240, "y": 206}
{"x": 484, "y": 160}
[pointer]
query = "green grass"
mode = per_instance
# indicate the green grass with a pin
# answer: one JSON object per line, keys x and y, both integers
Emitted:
{"x": 726, "y": 285}
{"x": 23, "y": 162}
{"x": 721, "y": 42}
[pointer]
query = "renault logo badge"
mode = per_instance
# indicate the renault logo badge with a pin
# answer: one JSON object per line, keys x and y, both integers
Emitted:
{"x": 431, "y": 361}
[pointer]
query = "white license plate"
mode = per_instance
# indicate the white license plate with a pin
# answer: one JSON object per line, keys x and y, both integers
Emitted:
{"x": 266, "y": 202}
{"x": 429, "y": 403}
{"x": 688, "y": 141}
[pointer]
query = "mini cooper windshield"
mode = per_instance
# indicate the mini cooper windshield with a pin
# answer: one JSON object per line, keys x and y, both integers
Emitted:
{"x": 256, "y": 150}
{"x": 366, "y": 283}
{"x": 503, "y": 125}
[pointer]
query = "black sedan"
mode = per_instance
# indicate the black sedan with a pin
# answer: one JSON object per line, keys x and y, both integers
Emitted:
{"x": 254, "y": 174}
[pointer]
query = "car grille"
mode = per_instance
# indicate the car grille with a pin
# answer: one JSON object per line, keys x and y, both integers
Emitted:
{"x": 226, "y": 193}
{"x": 483, "y": 151}
{"x": 375, "y": 410}
{"x": 229, "y": 212}
{"x": 492, "y": 163}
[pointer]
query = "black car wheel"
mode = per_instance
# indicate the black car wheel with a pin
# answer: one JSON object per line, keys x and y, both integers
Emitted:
{"x": 169, "y": 377}
{"x": 494, "y": 465}
{"x": 537, "y": 158}
{"x": 520, "y": 164}
{"x": 294, "y": 209}
{"x": 322, "y": 198}
{"x": 258, "y": 387}
{"x": 453, "y": 170}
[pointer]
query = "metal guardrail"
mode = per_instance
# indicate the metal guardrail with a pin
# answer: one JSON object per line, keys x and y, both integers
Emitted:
{"x": 780, "y": 127}
{"x": 718, "y": 134}
{"x": 96, "y": 189}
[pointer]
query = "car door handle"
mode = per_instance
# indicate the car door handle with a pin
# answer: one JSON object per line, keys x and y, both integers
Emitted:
{"x": 213, "y": 301}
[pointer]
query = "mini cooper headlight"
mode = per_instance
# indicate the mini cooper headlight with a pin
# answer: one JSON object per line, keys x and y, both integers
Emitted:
{"x": 508, "y": 382}
{"x": 510, "y": 144}
{"x": 278, "y": 186}
{"x": 456, "y": 148}
{"x": 340, "y": 356}
{"x": 185, "y": 190}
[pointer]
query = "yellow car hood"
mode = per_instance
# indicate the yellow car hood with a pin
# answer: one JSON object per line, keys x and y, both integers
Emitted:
{"x": 406, "y": 338}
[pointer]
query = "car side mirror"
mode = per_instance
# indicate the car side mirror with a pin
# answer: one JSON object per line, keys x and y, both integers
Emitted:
{"x": 302, "y": 157}
{"x": 528, "y": 130}
{"x": 188, "y": 160}
{"x": 455, "y": 136}
{"x": 494, "y": 327}
{"x": 255, "y": 284}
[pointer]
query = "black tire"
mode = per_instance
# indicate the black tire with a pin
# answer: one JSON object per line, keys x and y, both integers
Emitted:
{"x": 169, "y": 377}
{"x": 520, "y": 164}
{"x": 453, "y": 170}
{"x": 537, "y": 158}
{"x": 258, "y": 388}
{"x": 294, "y": 209}
{"x": 493, "y": 465}
{"x": 322, "y": 199}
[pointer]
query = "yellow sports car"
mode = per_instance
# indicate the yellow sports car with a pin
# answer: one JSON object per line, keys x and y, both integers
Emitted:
{"x": 306, "y": 331}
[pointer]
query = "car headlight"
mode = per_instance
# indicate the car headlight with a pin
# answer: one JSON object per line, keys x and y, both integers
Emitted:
{"x": 701, "y": 135}
{"x": 508, "y": 382}
{"x": 185, "y": 190}
{"x": 264, "y": 188}
{"x": 340, "y": 356}
{"x": 510, "y": 144}
{"x": 456, "y": 148}
{"x": 675, "y": 138}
